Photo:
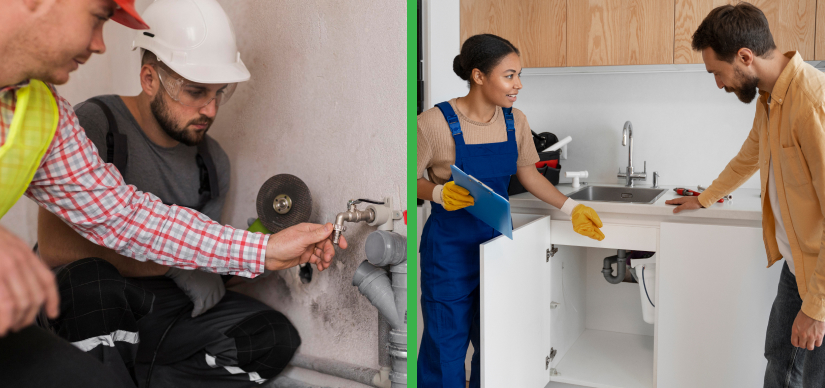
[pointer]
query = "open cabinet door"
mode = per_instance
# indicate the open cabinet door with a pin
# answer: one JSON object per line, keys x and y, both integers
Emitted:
{"x": 515, "y": 308}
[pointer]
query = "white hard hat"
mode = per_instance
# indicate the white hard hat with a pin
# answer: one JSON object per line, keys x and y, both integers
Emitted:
{"x": 195, "y": 39}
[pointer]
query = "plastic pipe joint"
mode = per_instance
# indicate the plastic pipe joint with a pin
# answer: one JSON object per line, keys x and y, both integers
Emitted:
{"x": 621, "y": 267}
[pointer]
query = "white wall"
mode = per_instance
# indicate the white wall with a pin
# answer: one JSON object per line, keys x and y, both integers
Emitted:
{"x": 327, "y": 103}
{"x": 684, "y": 127}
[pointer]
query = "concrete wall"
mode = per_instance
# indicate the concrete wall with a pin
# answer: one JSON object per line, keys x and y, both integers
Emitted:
{"x": 327, "y": 103}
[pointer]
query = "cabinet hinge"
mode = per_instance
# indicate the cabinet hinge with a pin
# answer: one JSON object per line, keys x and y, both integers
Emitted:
{"x": 554, "y": 372}
{"x": 551, "y": 252}
{"x": 550, "y": 358}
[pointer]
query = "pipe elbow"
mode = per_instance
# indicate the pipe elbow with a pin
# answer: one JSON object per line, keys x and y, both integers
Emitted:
{"x": 340, "y": 218}
{"x": 621, "y": 268}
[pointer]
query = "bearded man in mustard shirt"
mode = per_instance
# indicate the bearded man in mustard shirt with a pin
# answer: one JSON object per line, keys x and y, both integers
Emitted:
{"x": 787, "y": 147}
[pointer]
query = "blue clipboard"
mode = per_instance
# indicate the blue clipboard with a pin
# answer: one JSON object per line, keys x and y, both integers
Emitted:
{"x": 489, "y": 207}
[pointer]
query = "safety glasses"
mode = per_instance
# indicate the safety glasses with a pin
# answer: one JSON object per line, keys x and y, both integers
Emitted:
{"x": 193, "y": 94}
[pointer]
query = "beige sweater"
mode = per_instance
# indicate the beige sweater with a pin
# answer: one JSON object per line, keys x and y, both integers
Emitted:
{"x": 436, "y": 147}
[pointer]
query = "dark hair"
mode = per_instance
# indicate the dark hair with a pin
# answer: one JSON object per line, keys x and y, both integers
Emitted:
{"x": 148, "y": 58}
{"x": 729, "y": 28}
{"x": 482, "y": 52}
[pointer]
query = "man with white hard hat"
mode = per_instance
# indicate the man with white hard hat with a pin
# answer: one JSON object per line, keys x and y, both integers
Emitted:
{"x": 45, "y": 155}
{"x": 190, "y": 65}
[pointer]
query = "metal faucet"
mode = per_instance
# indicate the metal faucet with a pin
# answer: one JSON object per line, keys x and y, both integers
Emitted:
{"x": 352, "y": 215}
{"x": 629, "y": 175}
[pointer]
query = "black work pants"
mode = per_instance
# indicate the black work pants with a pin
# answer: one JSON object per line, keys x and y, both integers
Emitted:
{"x": 142, "y": 327}
{"x": 37, "y": 358}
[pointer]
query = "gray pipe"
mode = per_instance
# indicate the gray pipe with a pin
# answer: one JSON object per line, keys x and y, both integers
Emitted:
{"x": 286, "y": 382}
{"x": 621, "y": 267}
{"x": 385, "y": 248}
{"x": 398, "y": 336}
{"x": 398, "y": 353}
{"x": 375, "y": 285}
{"x": 359, "y": 374}
{"x": 399, "y": 289}
{"x": 383, "y": 342}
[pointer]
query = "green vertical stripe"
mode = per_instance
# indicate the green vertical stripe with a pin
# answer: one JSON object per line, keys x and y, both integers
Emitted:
{"x": 412, "y": 221}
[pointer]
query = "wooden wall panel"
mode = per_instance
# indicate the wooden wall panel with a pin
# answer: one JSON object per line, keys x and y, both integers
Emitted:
{"x": 819, "y": 54}
{"x": 619, "y": 32}
{"x": 536, "y": 27}
{"x": 689, "y": 14}
{"x": 792, "y": 24}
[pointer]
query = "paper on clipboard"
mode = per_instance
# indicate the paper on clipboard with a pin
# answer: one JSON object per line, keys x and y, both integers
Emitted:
{"x": 489, "y": 207}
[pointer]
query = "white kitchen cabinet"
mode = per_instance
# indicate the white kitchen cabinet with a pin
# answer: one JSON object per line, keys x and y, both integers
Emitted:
{"x": 541, "y": 318}
{"x": 515, "y": 308}
{"x": 715, "y": 297}
{"x": 553, "y": 321}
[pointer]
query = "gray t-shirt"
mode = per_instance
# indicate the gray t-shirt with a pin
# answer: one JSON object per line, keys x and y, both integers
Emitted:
{"x": 172, "y": 174}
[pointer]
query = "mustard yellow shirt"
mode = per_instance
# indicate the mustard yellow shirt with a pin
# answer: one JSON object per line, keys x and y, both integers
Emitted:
{"x": 794, "y": 137}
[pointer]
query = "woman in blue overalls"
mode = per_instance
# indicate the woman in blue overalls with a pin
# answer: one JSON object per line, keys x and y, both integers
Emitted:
{"x": 451, "y": 237}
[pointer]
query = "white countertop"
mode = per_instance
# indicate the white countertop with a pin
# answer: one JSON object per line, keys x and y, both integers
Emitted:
{"x": 745, "y": 208}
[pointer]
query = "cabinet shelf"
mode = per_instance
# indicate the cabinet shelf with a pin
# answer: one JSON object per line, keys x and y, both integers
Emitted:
{"x": 604, "y": 359}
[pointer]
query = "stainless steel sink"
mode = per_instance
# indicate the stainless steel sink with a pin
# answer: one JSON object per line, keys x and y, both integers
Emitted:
{"x": 618, "y": 194}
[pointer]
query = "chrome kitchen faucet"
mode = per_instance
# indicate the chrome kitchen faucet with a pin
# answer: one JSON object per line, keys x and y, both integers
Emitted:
{"x": 629, "y": 175}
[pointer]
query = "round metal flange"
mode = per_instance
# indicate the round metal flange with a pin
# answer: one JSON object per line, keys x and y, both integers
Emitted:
{"x": 284, "y": 200}
{"x": 282, "y": 204}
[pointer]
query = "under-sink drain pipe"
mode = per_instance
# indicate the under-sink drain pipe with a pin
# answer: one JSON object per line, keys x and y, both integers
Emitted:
{"x": 621, "y": 267}
{"x": 386, "y": 248}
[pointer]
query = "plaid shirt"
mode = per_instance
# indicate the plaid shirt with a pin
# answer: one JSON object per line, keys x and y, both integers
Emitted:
{"x": 90, "y": 195}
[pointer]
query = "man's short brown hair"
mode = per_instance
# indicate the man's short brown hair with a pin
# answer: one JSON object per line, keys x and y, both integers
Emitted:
{"x": 148, "y": 58}
{"x": 729, "y": 28}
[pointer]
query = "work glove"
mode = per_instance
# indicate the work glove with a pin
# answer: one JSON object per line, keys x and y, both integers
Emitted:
{"x": 205, "y": 289}
{"x": 585, "y": 220}
{"x": 452, "y": 196}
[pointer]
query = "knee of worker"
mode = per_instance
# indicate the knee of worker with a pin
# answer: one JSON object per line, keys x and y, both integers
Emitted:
{"x": 96, "y": 300}
{"x": 265, "y": 342}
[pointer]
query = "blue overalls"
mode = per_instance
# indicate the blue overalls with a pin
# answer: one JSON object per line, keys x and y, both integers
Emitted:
{"x": 450, "y": 263}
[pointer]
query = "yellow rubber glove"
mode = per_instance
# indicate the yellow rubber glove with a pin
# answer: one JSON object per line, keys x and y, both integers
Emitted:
{"x": 456, "y": 197}
{"x": 587, "y": 223}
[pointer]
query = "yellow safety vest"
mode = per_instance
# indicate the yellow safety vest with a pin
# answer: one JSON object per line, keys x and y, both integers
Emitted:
{"x": 32, "y": 130}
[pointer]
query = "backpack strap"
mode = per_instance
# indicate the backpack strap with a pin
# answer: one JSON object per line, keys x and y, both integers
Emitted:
{"x": 117, "y": 149}
{"x": 117, "y": 153}
{"x": 208, "y": 172}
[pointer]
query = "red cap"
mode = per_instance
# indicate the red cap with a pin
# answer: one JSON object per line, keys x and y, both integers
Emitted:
{"x": 127, "y": 15}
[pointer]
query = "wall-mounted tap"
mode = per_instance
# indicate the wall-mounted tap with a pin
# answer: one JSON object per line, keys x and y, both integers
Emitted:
{"x": 629, "y": 175}
{"x": 378, "y": 213}
{"x": 352, "y": 215}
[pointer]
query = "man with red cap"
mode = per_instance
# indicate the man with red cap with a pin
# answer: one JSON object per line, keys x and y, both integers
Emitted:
{"x": 45, "y": 155}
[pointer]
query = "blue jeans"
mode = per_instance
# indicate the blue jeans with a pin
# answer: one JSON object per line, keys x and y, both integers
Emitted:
{"x": 789, "y": 366}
